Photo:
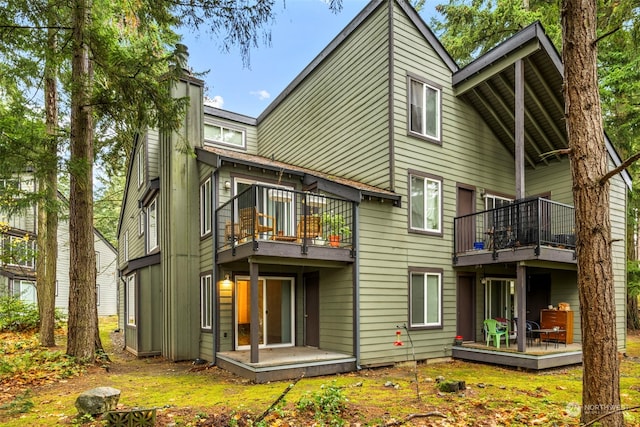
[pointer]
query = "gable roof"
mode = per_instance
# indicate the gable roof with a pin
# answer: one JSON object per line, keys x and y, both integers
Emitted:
{"x": 349, "y": 189}
{"x": 488, "y": 85}
{"x": 368, "y": 10}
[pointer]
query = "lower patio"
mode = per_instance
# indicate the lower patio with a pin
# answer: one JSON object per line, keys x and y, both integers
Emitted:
{"x": 285, "y": 363}
{"x": 540, "y": 355}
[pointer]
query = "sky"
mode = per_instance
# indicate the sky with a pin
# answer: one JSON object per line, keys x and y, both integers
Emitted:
{"x": 301, "y": 29}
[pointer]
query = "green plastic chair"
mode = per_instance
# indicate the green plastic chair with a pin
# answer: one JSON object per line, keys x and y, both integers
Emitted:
{"x": 491, "y": 331}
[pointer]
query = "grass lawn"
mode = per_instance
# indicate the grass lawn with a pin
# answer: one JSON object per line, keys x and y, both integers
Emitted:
{"x": 38, "y": 387}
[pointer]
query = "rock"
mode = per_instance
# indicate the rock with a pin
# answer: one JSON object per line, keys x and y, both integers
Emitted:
{"x": 97, "y": 400}
{"x": 452, "y": 386}
{"x": 439, "y": 378}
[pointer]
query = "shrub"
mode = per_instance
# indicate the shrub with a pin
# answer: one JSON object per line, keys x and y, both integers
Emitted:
{"x": 327, "y": 404}
{"x": 17, "y": 315}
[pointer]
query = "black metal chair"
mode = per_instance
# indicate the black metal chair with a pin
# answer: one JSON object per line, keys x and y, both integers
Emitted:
{"x": 531, "y": 335}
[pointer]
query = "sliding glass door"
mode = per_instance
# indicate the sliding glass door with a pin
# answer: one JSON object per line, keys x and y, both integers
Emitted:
{"x": 275, "y": 312}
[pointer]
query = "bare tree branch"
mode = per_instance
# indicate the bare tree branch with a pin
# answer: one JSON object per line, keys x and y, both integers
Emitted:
{"x": 620, "y": 168}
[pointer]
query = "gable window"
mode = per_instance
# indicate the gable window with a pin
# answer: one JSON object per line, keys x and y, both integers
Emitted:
{"x": 131, "y": 300}
{"x": 141, "y": 222}
{"x": 425, "y": 299}
{"x": 205, "y": 207}
{"x": 125, "y": 246}
{"x": 425, "y": 204}
{"x": 224, "y": 135}
{"x": 141, "y": 166}
{"x": 424, "y": 106}
{"x": 205, "y": 302}
{"x": 152, "y": 226}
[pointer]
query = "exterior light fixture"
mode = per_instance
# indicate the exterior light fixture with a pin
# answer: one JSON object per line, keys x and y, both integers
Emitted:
{"x": 226, "y": 283}
{"x": 227, "y": 185}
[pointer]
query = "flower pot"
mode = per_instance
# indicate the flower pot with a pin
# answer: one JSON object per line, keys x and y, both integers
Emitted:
{"x": 334, "y": 241}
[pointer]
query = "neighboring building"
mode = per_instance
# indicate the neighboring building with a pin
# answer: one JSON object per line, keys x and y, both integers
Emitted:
{"x": 18, "y": 277}
{"x": 412, "y": 160}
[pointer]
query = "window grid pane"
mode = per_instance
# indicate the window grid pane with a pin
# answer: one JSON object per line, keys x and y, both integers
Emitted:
{"x": 424, "y": 106}
{"x": 425, "y": 301}
{"x": 417, "y": 202}
{"x": 205, "y": 302}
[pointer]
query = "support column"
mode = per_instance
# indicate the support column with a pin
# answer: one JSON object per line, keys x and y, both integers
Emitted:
{"x": 519, "y": 128}
{"x": 521, "y": 296}
{"x": 254, "y": 334}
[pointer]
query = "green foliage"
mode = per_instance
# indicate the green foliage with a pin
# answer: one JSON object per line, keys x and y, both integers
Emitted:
{"x": 335, "y": 224}
{"x": 328, "y": 404}
{"x": 20, "y": 404}
{"x": 633, "y": 278}
{"x": 17, "y": 315}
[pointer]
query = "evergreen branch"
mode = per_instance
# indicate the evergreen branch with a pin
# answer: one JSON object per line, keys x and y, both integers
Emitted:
{"x": 34, "y": 27}
{"x": 620, "y": 168}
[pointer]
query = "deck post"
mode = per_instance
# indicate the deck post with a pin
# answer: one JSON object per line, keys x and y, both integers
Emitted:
{"x": 519, "y": 128}
{"x": 521, "y": 297}
{"x": 254, "y": 335}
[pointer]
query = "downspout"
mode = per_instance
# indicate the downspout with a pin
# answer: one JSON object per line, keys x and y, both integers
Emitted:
{"x": 215, "y": 303}
{"x": 356, "y": 290}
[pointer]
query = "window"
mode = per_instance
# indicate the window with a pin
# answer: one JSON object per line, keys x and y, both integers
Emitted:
{"x": 424, "y": 105}
{"x": 425, "y": 295}
{"x": 131, "y": 300}
{"x": 492, "y": 201}
{"x": 426, "y": 204}
{"x": 205, "y": 302}
{"x": 98, "y": 295}
{"x": 18, "y": 251}
{"x": 224, "y": 135}
{"x": 97, "y": 261}
{"x": 141, "y": 222}
{"x": 141, "y": 166}
{"x": 205, "y": 207}
{"x": 125, "y": 246}
{"x": 152, "y": 226}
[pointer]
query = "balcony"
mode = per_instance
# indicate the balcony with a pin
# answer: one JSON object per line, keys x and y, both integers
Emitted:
{"x": 523, "y": 230}
{"x": 276, "y": 221}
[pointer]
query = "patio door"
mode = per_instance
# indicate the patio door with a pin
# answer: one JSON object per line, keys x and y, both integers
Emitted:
{"x": 275, "y": 312}
{"x": 500, "y": 299}
{"x": 276, "y": 202}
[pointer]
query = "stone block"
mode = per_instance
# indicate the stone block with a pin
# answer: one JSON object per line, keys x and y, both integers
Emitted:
{"x": 97, "y": 400}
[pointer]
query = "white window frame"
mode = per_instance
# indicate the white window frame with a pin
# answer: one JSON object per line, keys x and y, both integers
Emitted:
{"x": 205, "y": 207}
{"x": 97, "y": 262}
{"x": 222, "y": 129}
{"x": 152, "y": 225}
{"x": 131, "y": 300}
{"x": 142, "y": 216}
{"x": 425, "y": 208}
{"x": 30, "y": 245}
{"x": 125, "y": 244}
{"x": 206, "y": 312}
{"x": 141, "y": 166}
{"x": 425, "y": 292}
{"x": 97, "y": 294}
{"x": 426, "y": 90}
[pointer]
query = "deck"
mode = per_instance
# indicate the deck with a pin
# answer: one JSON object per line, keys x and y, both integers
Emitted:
{"x": 286, "y": 363}
{"x": 536, "y": 357}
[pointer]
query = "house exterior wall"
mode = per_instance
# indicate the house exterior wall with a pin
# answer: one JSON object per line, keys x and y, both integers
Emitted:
{"x": 179, "y": 229}
{"x": 344, "y": 105}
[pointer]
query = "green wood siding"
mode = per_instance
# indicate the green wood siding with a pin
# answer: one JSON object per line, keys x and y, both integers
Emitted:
{"x": 206, "y": 346}
{"x": 336, "y": 310}
{"x": 344, "y": 106}
{"x": 555, "y": 178}
{"x": 153, "y": 154}
{"x": 179, "y": 232}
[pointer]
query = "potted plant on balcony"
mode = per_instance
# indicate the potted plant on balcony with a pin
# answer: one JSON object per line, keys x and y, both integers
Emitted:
{"x": 336, "y": 226}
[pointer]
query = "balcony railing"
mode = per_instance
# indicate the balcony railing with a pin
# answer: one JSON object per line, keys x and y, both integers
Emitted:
{"x": 530, "y": 222}
{"x": 279, "y": 214}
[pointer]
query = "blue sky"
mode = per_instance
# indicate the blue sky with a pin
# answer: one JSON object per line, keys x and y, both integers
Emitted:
{"x": 301, "y": 29}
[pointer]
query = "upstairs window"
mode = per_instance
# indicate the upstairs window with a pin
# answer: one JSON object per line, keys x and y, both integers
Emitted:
{"x": 224, "y": 135}
{"x": 18, "y": 251}
{"x": 152, "y": 225}
{"x": 425, "y": 204}
{"x": 205, "y": 207}
{"x": 424, "y": 106}
{"x": 141, "y": 166}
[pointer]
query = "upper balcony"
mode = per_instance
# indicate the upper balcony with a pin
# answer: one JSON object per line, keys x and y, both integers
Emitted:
{"x": 528, "y": 229}
{"x": 279, "y": 222}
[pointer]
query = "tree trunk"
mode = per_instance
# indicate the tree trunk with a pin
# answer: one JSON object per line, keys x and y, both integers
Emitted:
{"x": 601, "y": 376}
{"x": 46, "y": 266}
{"x": 83, "y": 320}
